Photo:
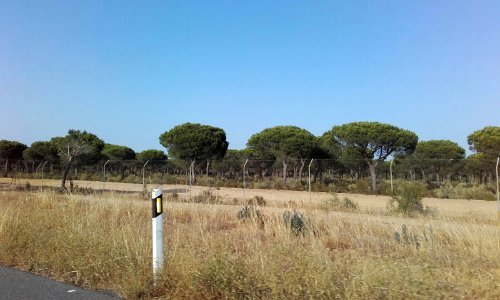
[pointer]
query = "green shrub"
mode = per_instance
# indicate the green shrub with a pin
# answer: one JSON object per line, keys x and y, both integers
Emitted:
{"x": 336, "y": 204}
{"x": 359, "y": 187}
{"x": 278, "y": 183}
{"x": 448, "y": 191}
{"x": 294, "y": 184}
{"x": 464, "y": 191}
{"x": 295, "y": 222}
{"x": 209, "y": 181}
{"x": 265, "y": 184}
{"x": 408, "y": 199}
{"x": 250, "y": 213}
{"x": 479, "y": 193}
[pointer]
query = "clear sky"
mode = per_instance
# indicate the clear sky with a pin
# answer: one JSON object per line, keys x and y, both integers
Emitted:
{"x": 130, "y": 70}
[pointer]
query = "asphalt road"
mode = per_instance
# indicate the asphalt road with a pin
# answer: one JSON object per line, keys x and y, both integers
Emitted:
{"x": 19, "y": 285}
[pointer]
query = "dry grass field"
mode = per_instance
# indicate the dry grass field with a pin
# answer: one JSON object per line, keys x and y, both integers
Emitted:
{"x": 368, "y": 203}
{"x": 103, "y": 241}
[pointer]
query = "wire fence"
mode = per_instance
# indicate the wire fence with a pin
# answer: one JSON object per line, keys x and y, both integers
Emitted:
{"x": 325, "y": 175}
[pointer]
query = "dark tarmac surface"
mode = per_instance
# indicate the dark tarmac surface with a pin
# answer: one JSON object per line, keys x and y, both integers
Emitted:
{"x": 15, "y": 284}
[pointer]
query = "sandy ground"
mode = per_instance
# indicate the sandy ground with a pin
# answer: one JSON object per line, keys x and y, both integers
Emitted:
{"x": 452, "y": 207}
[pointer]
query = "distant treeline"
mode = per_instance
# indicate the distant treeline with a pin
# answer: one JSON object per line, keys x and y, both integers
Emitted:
{"x": 355, "y": 151}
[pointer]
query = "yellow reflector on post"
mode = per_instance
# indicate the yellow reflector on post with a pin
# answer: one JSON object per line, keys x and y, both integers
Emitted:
{"x": 158, "y": 205}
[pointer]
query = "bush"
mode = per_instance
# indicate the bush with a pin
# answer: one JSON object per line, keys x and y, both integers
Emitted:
{"x": 294, "y": 184}
{"x": 408, "y": 199}
{"x": 257, "y": 200}
{"x": 359, "y": 187}
{"x": 319, "y": 186}
{"x": 250, "y": 213}
{"x": 295, "y": 222}
{"x": 464, "y": 191}
{"x": 479, "y": 193}
{"x": 132, "y": 179}
{"x": 209, "y": 181}
{"x": 207, "y": 197}
{"x": 349, "y": 204}
{"x": 383, "y": 188}
{"x": 336, "y": 204}
{"x": 448, "y": 191}
{"x": 277, "y": 183}
{"x": 338, "y": 187}
{"x": 265, "y": 184}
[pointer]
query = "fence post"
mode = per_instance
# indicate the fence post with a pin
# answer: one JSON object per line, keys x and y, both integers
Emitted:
{"x": 104, "y": 175}
{"x": 143, "y": 183}
{"x": 42, "y": 172}
{"x": 244, "y": 181}
{"x": 498, "y": 192}
{"x": 157, "y": 231}
{"x": 310, "y": 198}
{"x": 191, "y": 171}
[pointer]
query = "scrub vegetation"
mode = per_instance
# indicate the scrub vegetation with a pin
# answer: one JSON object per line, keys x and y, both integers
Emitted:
{"x": 325, "y": 250}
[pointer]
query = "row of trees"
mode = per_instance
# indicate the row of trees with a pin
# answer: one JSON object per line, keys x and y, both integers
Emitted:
{"x": 352, "y": 147}
{"x": 77, "y": 148}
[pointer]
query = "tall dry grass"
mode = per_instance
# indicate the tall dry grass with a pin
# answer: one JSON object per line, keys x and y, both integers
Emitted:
{"x": 104, "y": 242}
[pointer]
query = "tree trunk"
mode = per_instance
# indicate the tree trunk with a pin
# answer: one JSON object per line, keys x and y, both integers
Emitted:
{"x": 6, "y": 168}
{"x": 317, "y": 171}
{"x": 373, "y": 174}
{"x": 285, "y": 165}
{"x": 412, "y": 174}
{"x": 208, "y": 166}
{"x": 193, "y": 177}
{"x": 65, "y": 175}
{"x": 437, "y": 179}
{"x": 39, "y": 165}
{"x": 302, "y": 164}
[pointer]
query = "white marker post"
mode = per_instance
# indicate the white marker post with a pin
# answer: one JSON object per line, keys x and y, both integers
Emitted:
{"x": 157, "y": 210}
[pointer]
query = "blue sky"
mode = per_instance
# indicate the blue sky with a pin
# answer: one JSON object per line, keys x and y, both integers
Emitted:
{"x": 130, "y": 70}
